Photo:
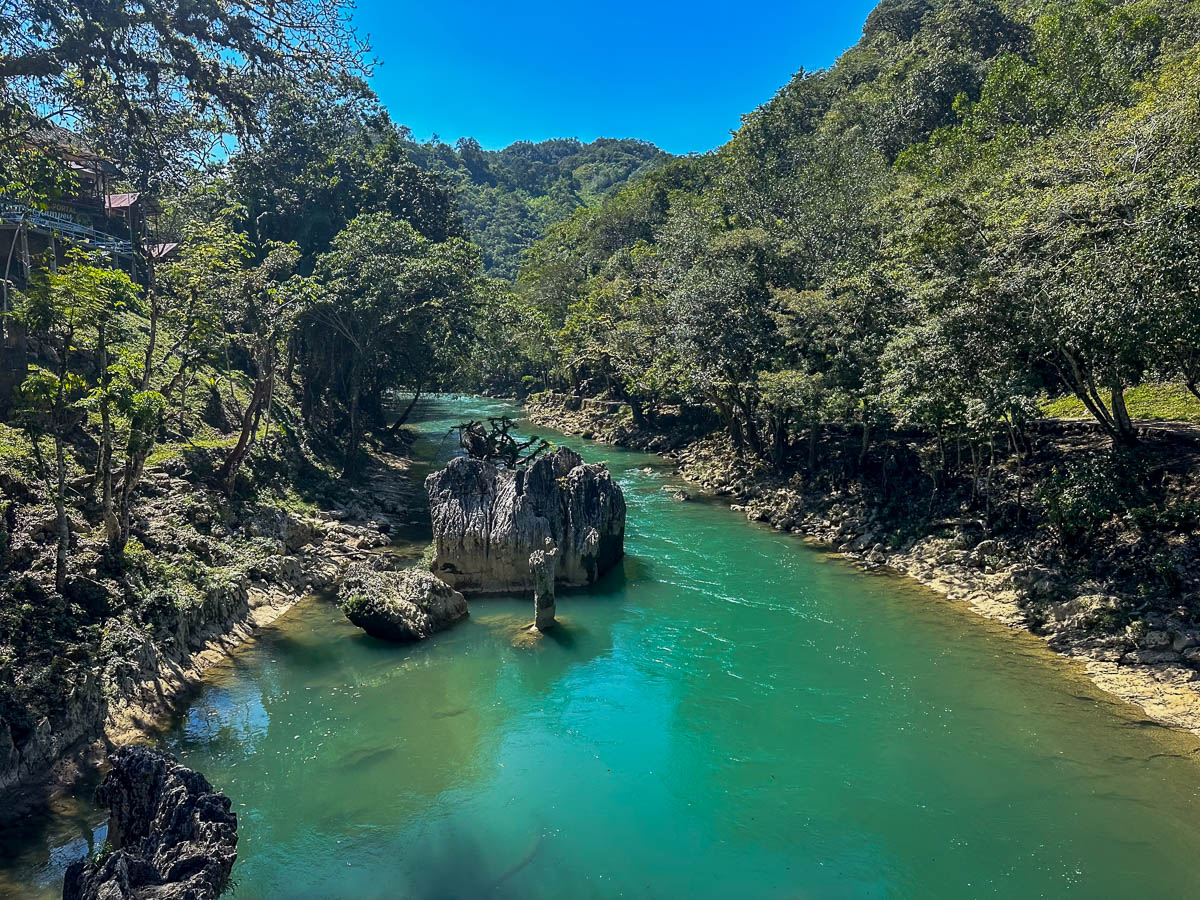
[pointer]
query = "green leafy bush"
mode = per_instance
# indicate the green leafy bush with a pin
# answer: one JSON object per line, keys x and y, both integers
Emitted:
{"x": 1083, "y": 495}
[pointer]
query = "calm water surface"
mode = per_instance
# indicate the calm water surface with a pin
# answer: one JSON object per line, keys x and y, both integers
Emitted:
{"x": 730, "y": 713}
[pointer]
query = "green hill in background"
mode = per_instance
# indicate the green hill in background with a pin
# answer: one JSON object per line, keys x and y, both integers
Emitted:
{"x": 508, "y": 198}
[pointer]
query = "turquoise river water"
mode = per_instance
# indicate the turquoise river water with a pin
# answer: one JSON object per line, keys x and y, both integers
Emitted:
{"x": 730, "y": 713}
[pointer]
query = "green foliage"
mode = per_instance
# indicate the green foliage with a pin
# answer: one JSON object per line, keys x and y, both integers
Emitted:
{"x": 134, "y": 67}
{"x": 324, "y": 159}
{"x": 389, "y": 306}
{"x": 1163, "y": 402}
{"x": 1082, "y": 496}
{"x": 980, "y": 203}
{"x": 509, "y": 198}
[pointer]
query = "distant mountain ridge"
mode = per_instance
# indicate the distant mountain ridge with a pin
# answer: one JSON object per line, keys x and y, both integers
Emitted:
{"x": 509, "y": 198}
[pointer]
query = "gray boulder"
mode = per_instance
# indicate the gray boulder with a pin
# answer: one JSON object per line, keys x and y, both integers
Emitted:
{"x": 408, "y": 605}
{"x": 488, "y": 521}
{"x": 172, "y": 836}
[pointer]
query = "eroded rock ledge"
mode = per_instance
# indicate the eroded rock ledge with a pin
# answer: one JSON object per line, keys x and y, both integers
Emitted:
{"x": 487, "y": 521}
{"x": 172, "y": 836}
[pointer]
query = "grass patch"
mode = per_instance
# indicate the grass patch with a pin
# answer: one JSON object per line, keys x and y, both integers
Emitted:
{"x": 163, "y": 452}
{"x": 1158, "y": 402}
{"x": 16, "y": 451}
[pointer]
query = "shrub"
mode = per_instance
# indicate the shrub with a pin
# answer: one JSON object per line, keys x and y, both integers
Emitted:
{"x": 1083, "y": 495}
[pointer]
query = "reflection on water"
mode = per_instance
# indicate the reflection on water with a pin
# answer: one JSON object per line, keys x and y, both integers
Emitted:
{"x": 728, "y": 713}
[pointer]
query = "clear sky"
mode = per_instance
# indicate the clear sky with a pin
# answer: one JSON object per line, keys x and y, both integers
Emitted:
{"x": 676, "y": 73}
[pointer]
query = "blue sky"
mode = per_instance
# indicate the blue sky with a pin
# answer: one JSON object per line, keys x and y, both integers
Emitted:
{"x": 675, "y": 73}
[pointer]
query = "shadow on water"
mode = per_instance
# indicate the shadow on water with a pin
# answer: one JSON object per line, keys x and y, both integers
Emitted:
{"x": 44, "y": 831}
{"x": 562, "y": 634}
{"x": 616, "y": 582}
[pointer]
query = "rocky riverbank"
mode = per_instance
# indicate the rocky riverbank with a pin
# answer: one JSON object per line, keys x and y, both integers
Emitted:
{"x": 207, "y": 576}
{"x": 1147, "y": 656}
{"x": 170, "y": 835}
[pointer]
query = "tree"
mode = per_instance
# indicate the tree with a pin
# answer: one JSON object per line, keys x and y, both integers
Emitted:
{"x": 324, "y": 158}
{"x": 390, "y": 306}
{"x": 271, "y": 296}
{"x": 56, "y": 52}
{"x": 725, "y": 330}
{"x": 80, "y": 300}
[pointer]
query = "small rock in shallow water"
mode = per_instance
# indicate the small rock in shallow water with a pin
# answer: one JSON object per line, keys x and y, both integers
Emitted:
{"x": 409, "y": 605}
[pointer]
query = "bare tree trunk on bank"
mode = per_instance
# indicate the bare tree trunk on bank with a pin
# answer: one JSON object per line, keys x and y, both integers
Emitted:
{"x": 351, "y": 463}
{"x": 399, "y": 423}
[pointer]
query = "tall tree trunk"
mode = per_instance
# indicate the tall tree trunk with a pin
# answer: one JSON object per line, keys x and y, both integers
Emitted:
{"x": 233, "y": 462}
{"x": 155, "y": 316}
{"x": 108, "y": 513}
{"x": 148, "y": 362}
{"x": 731, "y": 421}
{"x": 779, "y": 440}
{"x": 974, "y": 470}
{"x": 137, "y": 449}
{"x": 1126, "y": 433}
{"x": 60, "y": 512}
{"x": 399, "y": 423}
{"x": 1084, "y": 388}
{"x": 987, "y": 497}
{"x": 267, "y": 406}
{"x": 866, "y": 436}
{"x": 351, "y": 463}
{"x": 637, "y": 410}
{"x": 103, "y": 476}
{"x": 60, "y": 482}
{"x": 749, "y": 427}
{"x": 57, "y": 486}
{"x": 135, "y": 464}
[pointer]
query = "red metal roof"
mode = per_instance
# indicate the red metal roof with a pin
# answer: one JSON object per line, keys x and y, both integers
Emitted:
{"x": 120, "y": 201}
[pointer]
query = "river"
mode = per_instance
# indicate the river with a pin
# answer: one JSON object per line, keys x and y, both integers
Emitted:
{"x": 730, "y": 713}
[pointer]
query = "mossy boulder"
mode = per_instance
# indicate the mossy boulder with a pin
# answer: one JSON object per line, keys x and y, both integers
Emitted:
{"x": 409, "y": 605}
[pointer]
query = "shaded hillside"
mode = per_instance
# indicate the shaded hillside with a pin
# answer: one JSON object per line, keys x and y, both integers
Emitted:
{"x": 508, "y": 198}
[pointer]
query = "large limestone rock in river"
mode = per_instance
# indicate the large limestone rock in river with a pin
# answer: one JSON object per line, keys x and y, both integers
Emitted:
{"x": 487, "y": 521}
{"x": 173, "y": 836}
{"x": 408, "y": 605}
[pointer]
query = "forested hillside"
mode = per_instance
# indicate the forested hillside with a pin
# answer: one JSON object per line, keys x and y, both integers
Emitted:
{"x": 509, "y": 198}
{"x": 873, "y": 289}
{"x": 980, "y": 202}
{"x": 198, "y": 345}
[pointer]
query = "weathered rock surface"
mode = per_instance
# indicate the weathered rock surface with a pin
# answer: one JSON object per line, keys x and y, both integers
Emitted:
{"x": 543, "y": 564}
{"x": 408, "y": 605}
{"x": 487, "y": 521}
{"x": 173, "y": 836}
